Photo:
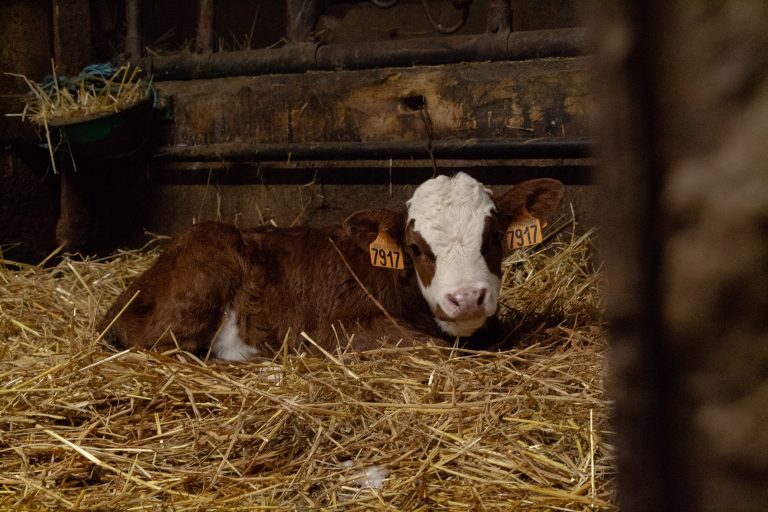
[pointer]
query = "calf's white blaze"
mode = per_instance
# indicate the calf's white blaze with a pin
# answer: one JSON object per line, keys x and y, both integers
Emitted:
{"x": 228, "y": 344}
{"x": 450, "y": 214}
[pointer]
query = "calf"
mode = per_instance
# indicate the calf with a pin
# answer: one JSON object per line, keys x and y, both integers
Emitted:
{"x": 239, "y": 293}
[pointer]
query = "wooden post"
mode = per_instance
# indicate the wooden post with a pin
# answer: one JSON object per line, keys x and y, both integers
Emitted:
{"x": 684, "y": 119}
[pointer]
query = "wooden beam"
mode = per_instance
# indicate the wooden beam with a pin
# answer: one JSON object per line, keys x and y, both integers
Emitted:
{"x": 516, "y": 100}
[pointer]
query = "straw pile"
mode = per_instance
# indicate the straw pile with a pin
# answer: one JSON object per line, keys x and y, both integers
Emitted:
{"x": 85, "y": 428}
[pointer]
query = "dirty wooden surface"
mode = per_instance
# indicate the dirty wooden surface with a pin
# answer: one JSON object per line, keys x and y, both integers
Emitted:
{"x": 511, "y": 99}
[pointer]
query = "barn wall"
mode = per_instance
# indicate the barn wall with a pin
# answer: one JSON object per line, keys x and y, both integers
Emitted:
{"x": 322, "y": 196}
{"x": 28, "y": 192}
{"x": 104, "y": 204}
{"x": 503, "y": 99}
{"x": 684, "y": 120}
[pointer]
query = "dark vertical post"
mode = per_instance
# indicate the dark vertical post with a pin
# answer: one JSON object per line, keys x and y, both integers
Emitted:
{"x": 72, "y": 51}
{"x": 133, "y": 38}
{"x": 206, "y": 29}
{"x": 628, "y": 86}
{"x": 686, "y": 248}
{"x": 302, "y": 18}
{"x": 74, "y": 218}
{"x": 71, "y": 35}
{"x": 499, "y": 16}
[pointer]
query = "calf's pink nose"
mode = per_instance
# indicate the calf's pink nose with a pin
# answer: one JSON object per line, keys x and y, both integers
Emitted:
{"x": 466, "y": 302}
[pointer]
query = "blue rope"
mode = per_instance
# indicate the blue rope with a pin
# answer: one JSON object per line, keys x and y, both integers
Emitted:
{"x": 91, "y": 75}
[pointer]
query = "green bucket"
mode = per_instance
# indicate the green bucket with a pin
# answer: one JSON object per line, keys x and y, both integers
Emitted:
{"x": 112, "y": 134}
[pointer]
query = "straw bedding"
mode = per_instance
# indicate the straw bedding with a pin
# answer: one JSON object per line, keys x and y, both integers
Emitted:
{"x": 83, "y": 427}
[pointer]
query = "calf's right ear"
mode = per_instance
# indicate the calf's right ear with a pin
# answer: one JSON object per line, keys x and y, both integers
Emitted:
{"x": 364, "y": 226}
{"x": 539, "y": 198}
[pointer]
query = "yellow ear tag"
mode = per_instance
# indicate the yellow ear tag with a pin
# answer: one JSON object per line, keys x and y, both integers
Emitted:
{"x": 524, "y": 233}
{"x": 386, "y": 253}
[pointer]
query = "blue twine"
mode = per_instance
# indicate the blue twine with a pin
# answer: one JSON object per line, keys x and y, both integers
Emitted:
{"x": 92, "y": 75}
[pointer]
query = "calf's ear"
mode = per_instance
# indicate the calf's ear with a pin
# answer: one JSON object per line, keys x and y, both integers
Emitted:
{"x": 539, "y": 198}
{"x": 364, "y": 226}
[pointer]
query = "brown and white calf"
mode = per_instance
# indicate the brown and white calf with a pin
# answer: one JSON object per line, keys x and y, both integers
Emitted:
{"x": 238, "y": 293}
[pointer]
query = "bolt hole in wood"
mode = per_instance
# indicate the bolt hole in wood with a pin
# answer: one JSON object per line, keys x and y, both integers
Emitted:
{"x": 415, "y": 101}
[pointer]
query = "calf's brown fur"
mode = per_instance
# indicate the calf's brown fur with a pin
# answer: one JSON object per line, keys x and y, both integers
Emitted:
{"x": 297, "y": 279}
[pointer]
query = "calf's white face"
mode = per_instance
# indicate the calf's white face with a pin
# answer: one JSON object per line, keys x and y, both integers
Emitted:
{"x": 454, "y": 234}
{"x": 447, "y": 219}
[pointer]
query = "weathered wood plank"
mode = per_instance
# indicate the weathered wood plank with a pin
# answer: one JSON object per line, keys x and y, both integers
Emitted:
{"x": 481, "y": 100}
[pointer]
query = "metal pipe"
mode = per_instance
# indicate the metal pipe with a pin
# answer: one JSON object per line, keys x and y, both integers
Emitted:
{"x": 545, "y": 148}
{"x": 541, "y": 44}
{"x": 206, "y": 30}
{"x": 294, "y": 58}
{"x": 133, "y": 45}
{"x": 302, "y": 57}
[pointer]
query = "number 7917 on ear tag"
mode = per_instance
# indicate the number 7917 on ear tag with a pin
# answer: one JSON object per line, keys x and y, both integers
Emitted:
{"x": 386, "y": 253}
{"x": 524, "y": 233}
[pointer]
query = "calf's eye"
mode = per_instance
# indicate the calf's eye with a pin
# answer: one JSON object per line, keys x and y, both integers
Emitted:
{"x": 415, "y": 250}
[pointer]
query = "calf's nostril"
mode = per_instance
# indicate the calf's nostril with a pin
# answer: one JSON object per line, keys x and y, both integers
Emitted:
{"x": 481, "y": 297}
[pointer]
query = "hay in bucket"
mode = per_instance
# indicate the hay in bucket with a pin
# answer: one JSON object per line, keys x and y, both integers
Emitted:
{"x": 83, "y": 427}
{"x": 97, "y": 90}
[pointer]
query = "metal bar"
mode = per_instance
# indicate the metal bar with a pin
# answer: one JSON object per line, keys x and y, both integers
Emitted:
{"x": 499, "y": 16}
{"x": 206, "y": 30}
{"x": 450, "y": 149}
{"x": 302, "y": 18}
{"x": 426, "y": 51}
{"x": 133, "y": 44}
{"x": 302, "y": 57}
{"x": 541, "y": 44}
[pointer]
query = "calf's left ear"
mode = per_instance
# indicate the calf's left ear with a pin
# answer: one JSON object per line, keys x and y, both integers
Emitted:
{"x": 539, "y": 198}
{"x": 364, "y": 226}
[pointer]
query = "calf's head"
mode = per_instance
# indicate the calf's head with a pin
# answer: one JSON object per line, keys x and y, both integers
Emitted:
{"x": 454, "y": 233}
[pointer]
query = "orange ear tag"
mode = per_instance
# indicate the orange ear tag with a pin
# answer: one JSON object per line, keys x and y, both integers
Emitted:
{"x": 524, "y": 233}
{"x": 386, "y": 253}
